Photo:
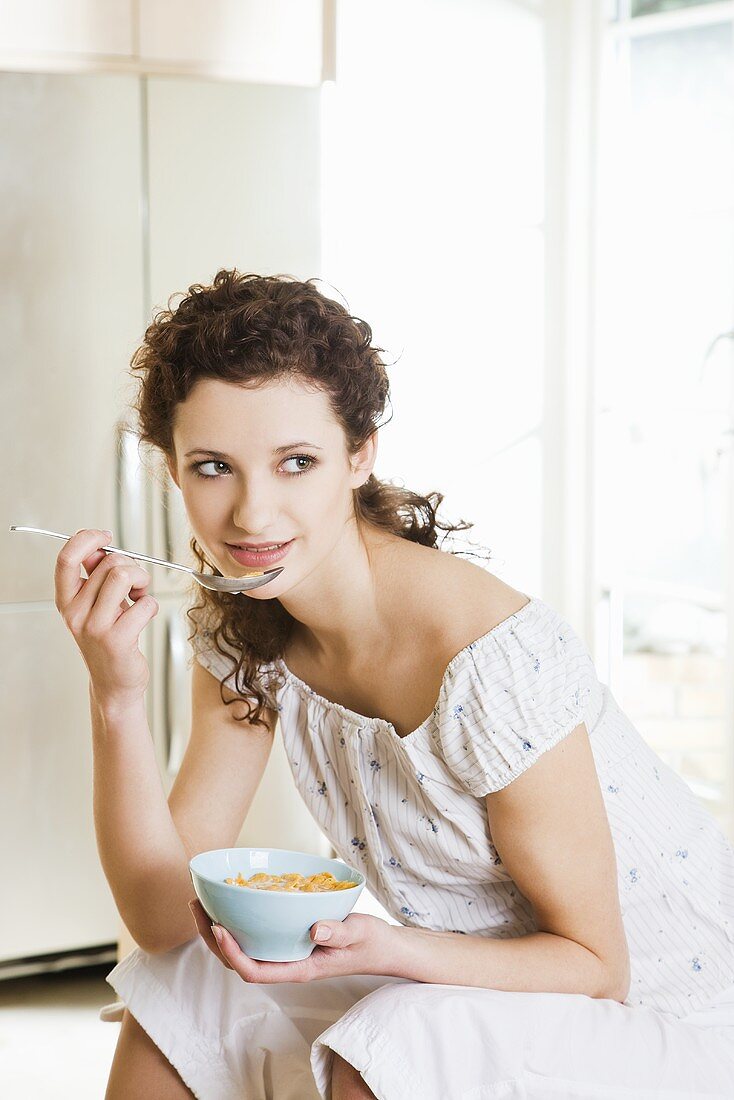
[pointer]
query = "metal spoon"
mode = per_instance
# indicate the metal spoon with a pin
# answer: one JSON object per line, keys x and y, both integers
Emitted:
{"x": 207, "y": 580}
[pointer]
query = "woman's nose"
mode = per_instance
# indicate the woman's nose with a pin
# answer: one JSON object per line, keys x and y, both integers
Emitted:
{"x": 254, "y": 509}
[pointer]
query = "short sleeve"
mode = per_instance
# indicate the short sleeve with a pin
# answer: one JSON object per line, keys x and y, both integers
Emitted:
{"x": 219, "y": 664}
{"x": 207, "y": 654}
{"x": 512, "y": 695}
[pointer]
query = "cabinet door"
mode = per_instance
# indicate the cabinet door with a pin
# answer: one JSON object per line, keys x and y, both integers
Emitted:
{"x": 247, "y": 197}
{"x": 67, "y": 26}
{"x": 234, "y": 181}
{"x": 57, "y": 898}
{"x": 71, "y": 308}
{"x": 261, "y": 41}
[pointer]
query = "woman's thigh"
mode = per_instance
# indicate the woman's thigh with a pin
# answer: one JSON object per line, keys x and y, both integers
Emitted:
{"x": 140, "y": 1070}
{"x": 228, "y": 1039}
{"x": 427, "y": 1042}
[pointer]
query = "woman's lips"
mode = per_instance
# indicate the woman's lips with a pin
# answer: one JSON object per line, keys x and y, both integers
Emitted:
{"x": 262, "y": 559}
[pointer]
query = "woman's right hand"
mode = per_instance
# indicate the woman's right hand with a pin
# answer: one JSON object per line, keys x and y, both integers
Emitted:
{"x": 105, "y": 627}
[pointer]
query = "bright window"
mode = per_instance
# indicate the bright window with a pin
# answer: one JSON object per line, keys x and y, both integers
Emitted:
{"x": 665, "y": 310}
{"x": 433, "y": 221}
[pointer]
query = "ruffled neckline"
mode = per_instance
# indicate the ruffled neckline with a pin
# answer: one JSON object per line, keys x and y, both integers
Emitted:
{"x": 355, "y": 718}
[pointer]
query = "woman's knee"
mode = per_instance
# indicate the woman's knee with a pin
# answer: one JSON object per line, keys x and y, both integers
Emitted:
{"x": 347, "y": 1083}
{"x": 140, "y": 1069}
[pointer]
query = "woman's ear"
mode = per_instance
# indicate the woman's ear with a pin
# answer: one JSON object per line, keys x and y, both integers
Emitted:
{"x": 363, "y": 461}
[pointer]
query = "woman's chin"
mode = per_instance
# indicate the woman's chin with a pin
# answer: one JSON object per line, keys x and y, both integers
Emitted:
{"x": 265, "y": 592}
{"x": 278, "y": 586}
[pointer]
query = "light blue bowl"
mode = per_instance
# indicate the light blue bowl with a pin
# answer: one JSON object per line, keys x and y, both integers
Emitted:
{"x": 267, "y": 924}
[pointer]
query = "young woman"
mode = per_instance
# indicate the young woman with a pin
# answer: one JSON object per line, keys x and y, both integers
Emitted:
{"x": 565, "y": 906}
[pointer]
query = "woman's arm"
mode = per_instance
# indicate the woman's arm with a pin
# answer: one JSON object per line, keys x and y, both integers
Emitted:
{"x": 142, "y": 855}
{"x": 145, "y": 842}
{"x": 551, "y": 830}
{"x": 539, "y": 962}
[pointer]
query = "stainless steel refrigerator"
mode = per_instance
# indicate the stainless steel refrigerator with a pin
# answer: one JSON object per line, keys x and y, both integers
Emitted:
{"x": 115, "y": 192}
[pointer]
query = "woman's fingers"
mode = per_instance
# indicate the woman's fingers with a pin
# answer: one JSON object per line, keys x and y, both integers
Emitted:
{"x": 130, "y": 624}
{"x": 257, "y": 970}
{"x": 229, "y": 953}
{"x": 105, "y": 626}
{"x": 99, "y": 599}
{"x": 204, "y": 927}
{"x": 67, "y": 578}
{"x": 90, "y": 563}
{"x": 109, "y": 586}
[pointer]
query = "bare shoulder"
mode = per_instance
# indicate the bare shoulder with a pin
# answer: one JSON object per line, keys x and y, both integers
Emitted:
{"x": 465, "y": 599}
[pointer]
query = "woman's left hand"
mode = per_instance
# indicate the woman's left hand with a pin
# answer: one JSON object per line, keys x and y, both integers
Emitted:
{"x": 359, "y": 944}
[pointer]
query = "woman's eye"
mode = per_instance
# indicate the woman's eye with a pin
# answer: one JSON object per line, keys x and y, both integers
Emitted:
{"x": 210, "y": 462}
{"x": 302, "y": 469}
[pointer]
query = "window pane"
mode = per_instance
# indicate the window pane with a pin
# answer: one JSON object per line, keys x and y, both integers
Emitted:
{"x": 664, "y": 476}
{"x": 647, "y": 7}
{"x": 681, "y": 153}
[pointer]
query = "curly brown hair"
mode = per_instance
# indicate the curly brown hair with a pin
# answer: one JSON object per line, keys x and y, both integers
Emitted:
{"x": 252, "y": 329}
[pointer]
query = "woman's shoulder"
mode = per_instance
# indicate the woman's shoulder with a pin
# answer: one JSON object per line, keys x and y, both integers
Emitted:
{"x": 463, "y": 601}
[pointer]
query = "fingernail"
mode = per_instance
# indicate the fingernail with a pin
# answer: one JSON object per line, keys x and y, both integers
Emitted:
{"x": 108, "y": 533}
{"x": 191, "y": 905}
{"x": 217, "y": 933}
{"x": 323, "y": 932}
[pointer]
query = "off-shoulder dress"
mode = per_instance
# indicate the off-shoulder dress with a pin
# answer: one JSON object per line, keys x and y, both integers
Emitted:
{"x": 409, "y": 811}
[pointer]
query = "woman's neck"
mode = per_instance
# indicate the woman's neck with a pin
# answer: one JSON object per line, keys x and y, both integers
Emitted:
{"x": 348, "y": 607}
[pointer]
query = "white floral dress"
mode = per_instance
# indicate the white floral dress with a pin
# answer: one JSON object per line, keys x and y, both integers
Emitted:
{"x": 410, "y": 812}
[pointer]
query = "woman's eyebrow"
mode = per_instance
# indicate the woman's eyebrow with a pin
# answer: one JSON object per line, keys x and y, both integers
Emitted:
{"x": 276, "y": 450}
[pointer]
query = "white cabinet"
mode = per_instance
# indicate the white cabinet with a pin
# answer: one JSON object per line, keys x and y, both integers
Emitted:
{"x": 57, "y": 897}
{"x": 245, "y": 161}
{"x": 67, "y": 26}
{"x": 71, "y": 306}
{"x": 260, "y": 41}
{"x": 287, "y": 42}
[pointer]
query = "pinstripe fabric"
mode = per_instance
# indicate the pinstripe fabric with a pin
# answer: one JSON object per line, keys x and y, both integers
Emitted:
{"x": 409, "y": 811}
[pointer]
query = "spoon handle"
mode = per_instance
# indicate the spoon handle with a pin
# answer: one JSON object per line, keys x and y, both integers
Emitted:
{"x": 108, "y": 549}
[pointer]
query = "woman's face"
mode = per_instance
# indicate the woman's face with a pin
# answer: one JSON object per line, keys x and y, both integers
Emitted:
{"x": 265, "y": 465}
